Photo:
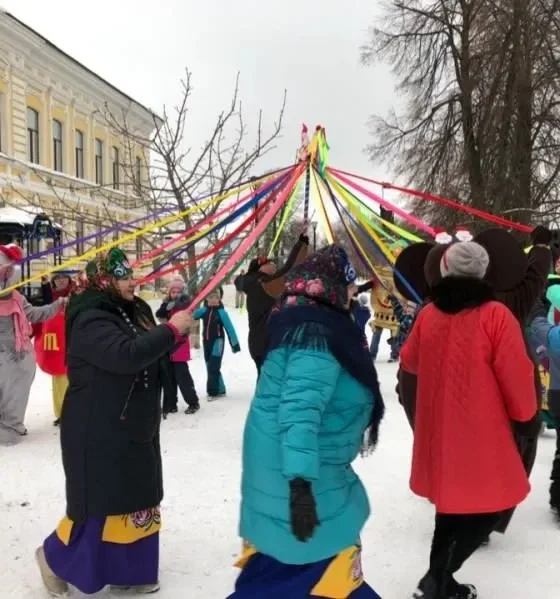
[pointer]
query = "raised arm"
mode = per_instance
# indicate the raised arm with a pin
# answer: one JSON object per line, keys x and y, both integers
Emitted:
{"x": 37, "y": 314}
{"x": 274, "y": 284}
{"x": 99, "y": 339}
{"x": 311, "y": 378}
{"x": 522, "y": 298}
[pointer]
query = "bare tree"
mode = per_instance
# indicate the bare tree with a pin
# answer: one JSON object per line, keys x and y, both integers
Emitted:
{"x": 179, "y": 176}
{"x": 480, "y": 122}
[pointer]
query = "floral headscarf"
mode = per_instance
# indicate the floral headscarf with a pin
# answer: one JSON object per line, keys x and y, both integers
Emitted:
{"x": 324, "y": 277}
{"x": 111, "y": 265}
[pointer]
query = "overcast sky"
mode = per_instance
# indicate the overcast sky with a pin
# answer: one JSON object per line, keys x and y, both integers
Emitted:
{"x": 309, "y": 47}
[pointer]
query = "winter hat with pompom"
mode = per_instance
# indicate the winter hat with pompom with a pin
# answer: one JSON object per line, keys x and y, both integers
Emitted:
{"x": 176, "y": 284}
{"x": 10, "y": 271}
{"x": 466, "y": 259}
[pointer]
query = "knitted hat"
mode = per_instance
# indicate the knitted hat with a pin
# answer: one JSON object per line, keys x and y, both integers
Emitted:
{"x": 324, "y": 276}
{"x": 465, "y": 259}
{"x": 176, "y": 284}
{"x": 9, "y": 254}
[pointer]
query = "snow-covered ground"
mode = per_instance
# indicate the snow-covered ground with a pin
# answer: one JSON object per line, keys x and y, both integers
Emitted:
{"x": 201, "y": 475}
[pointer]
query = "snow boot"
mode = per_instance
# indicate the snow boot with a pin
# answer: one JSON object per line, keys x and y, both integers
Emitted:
{"x": 192, "y": 410}
{"x": 56, "y": 587}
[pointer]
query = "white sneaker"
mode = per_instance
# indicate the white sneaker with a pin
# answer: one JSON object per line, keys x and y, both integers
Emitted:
{"x": 55, "y": 586}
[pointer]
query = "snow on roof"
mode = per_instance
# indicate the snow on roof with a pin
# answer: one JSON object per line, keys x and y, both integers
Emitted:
{"x": 13, "y": 215}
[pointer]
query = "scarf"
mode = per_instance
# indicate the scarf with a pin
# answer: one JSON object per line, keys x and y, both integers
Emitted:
{"x": 12, "y": 307}
{"x": 321, "y": 326}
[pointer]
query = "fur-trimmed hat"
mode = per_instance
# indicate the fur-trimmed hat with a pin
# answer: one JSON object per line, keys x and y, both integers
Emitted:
{"x": 419, "y": 264}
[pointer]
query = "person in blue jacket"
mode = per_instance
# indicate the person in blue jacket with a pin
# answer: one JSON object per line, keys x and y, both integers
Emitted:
{"x": 317, "y": 404}
{"x": 544, "y": 339}
{"x": 215, "y": 321}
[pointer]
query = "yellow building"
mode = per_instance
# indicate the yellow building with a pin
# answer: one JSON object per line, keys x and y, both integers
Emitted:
{"x": 58, "y": 152}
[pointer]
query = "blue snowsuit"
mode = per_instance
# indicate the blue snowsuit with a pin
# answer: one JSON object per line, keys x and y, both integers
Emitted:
{"x": 215, "y": 321}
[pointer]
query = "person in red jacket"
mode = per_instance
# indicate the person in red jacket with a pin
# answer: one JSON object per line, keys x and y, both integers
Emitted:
{"x": 474, "y": 380}
{"x": 50, "y": 340}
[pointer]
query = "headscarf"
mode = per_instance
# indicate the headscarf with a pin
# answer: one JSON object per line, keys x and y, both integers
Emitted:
{"x": 312, "y": 314}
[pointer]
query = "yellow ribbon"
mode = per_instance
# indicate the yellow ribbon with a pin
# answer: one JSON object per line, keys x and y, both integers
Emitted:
{"x": 321, "y": 208}
{"x": 356, "y": 213}
{"x": 129, "y": 237}
{"x": 285, "y": 216}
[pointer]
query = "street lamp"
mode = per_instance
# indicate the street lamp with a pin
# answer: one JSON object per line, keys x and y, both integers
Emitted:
{"x": 314, "y": 225}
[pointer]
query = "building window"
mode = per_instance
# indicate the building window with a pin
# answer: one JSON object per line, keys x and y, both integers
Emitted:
{"x": 99, "y": 162}
{"x": 80, "y": 228}
{"x": 57, "y": 146}
{"x": 138, "y": 176}
{"x": 79, "y": 151}
{"x": 116, "y": 167}
{"x": 33, "y": 136}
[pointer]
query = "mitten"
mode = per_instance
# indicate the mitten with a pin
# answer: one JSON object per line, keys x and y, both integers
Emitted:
{"x": 541, "y": 235}
{"x": 304, "y": 239}
{"x": 235, "y": 349}
{"x": 303, "y": 511}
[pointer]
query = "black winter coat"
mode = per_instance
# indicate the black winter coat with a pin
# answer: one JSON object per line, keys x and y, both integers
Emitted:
{"x": 111, "y": 416}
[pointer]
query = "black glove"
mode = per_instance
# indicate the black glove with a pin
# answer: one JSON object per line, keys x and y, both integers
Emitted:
{"x": 303, "y": 512}
{"x": 304, "y": 238}
{"x": 235, "y": 349}
{"x": 541, "y": 236}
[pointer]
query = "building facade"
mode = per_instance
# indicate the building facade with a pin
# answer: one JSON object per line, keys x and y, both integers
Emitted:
{"x": 59, "y": 151}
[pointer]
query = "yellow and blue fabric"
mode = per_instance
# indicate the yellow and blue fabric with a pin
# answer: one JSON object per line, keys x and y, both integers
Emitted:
{"x": 340, "y": 577}
{"x": 216, "y": 321}
{"x": 115, "y": 550}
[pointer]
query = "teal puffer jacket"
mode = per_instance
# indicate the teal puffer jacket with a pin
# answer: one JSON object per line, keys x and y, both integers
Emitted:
{"x": 307, "y": 420}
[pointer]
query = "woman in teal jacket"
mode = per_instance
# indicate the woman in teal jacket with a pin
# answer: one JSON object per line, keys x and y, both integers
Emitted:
{"x": 316, "y": 405}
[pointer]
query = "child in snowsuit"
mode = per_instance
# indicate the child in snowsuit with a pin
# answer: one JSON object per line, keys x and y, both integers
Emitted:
{"x": 361, "y": 312}
{"x": 544, "y": 336}
{"x": 176, "y": 368}
{"x": 215, "y": 321}
{"x": 405, "y": 317}
{"x": 50, "y": 339}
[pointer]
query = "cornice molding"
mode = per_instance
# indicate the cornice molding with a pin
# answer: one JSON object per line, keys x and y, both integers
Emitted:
{"x": 27, "y": 54}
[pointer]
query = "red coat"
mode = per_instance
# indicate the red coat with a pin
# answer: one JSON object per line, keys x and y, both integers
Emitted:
{"x": 474, "y": 378}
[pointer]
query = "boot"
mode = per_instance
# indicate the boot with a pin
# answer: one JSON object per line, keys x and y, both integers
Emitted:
{"x": 460, "y": 591}
{"x": 56, "y": 587}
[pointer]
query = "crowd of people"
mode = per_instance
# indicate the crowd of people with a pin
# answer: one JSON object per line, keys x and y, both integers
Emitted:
{"x": 476, "y": 319}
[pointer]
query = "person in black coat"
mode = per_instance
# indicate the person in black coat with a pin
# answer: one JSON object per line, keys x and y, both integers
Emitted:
{"x": 110, "y": 437}
{"x": 263, "y": 285}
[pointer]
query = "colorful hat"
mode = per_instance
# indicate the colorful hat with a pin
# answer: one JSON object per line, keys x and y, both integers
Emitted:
{"x": 111, "y": 265}
{"x": 421, "y": 266}
{"x": 324, "y": 276}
